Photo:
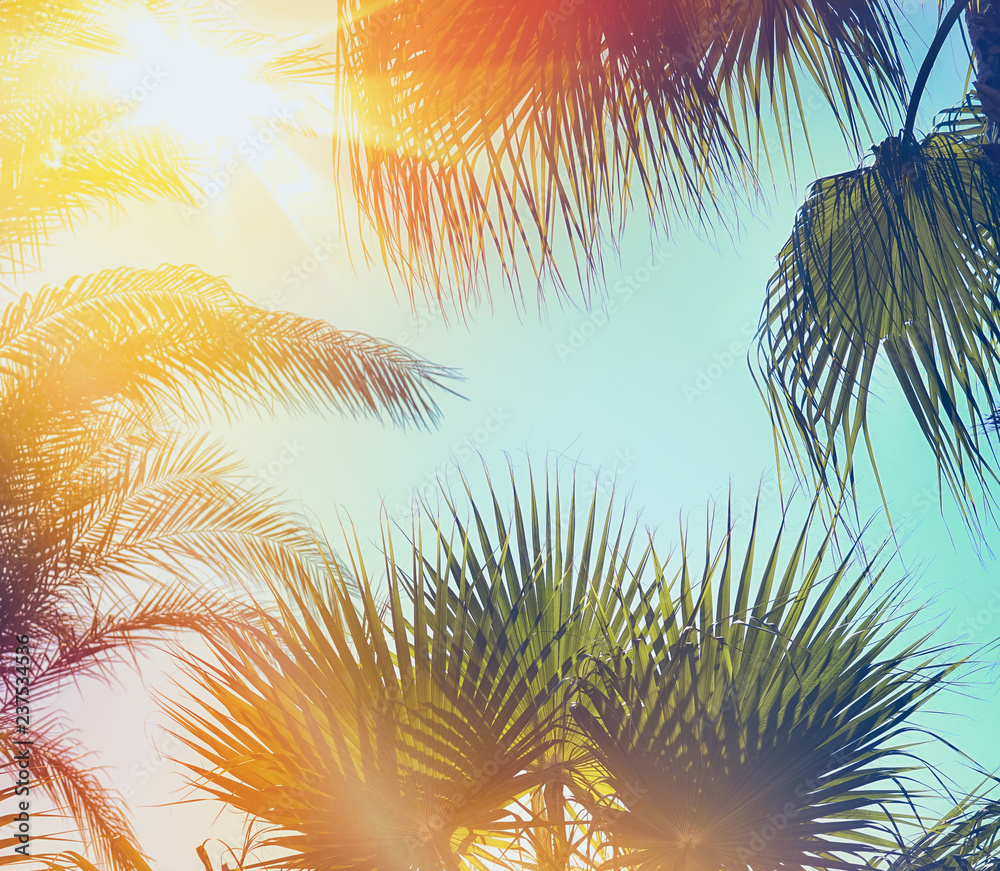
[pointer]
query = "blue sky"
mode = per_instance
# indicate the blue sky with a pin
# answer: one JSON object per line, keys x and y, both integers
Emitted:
{"x": 650, "y": 392}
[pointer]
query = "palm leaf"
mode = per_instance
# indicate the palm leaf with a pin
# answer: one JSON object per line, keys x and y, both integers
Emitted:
{"x": 898, "y": 256}
{"x": 966, "y": 838}
{"x": 360, "y": 743}
{"x": 493, "y": 135}
{"x": 753, "y": 718}
{"x": 102, "y": 500}
{"x": 735, "y": 690}
{"x": 177, "y": 338}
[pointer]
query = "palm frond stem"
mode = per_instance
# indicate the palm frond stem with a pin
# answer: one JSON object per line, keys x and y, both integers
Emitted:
{"x": 923, "y": 74}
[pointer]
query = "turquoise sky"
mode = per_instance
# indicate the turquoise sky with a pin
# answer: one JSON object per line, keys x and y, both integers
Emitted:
{"x": 650, "y": 392}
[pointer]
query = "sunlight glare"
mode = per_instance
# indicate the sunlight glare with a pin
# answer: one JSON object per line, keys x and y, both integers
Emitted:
{"x": 174, "y": 80}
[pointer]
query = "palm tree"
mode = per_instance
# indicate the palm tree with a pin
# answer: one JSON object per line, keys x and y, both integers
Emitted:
{"x": 489, "y": 135}
{"x": 112, "y": 516}
{"x": 897, "y": 260}
{"x": 485, "y": 137}
{"x": 541, "y": 698}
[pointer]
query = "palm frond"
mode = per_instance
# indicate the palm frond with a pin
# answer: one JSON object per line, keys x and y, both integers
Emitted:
{"x": 177, "y": 338}
{"x": 58, "y": 770}
{"x": 966, "y": 838}
{"x": 402, "y": 755}
{"x": 436, "y": 729}
{"x": 753, "y": 718}
{"x": 493, "y": 135}
{"x": 897, "y": 257}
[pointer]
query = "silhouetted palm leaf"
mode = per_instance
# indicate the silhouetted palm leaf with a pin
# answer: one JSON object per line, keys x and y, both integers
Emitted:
{"x": 752, "y": 720}
{"x": 494, "y": 134}
{"x": 357, "y": 740}
{"x": 966, "y": 838}
{"x": 896, "y": 257}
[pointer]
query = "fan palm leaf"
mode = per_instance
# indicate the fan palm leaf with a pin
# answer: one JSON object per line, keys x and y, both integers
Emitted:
{"x": 496, "y": 134}
{"x": 409, "y": 743}
{"x": 753, "y": 718}
{"x": 965, "y": 838}
{"x": 896, "y": 258}
{"x": 636, "y": 705}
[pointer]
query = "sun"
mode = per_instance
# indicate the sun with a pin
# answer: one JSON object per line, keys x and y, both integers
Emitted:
{"x": 203, "y": 92}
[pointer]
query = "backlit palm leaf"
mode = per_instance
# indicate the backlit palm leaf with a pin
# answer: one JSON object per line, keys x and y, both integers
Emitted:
{"x": 753, "y": 718}
{"x": 358, "y": 742}
{"x": 177, "y": 339}
{"x": 101, "y": 498}
{"x": 364, "y": 744}
{"x": 494, "y": 134}
{"x": 897, "y": 257}
{"x": 567, "y": 574}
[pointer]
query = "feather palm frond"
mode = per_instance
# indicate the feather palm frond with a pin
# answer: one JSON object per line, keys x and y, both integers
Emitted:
{"x": 102, "y": 499}
{"x": 494, "y": 135}
{"x": 179, "y": 339}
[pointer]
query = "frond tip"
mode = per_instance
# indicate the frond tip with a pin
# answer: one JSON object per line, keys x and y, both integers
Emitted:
{"x": 490, "y": 136}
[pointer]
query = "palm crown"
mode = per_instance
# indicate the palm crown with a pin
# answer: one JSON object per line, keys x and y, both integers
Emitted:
{"x": 531, "y": 696}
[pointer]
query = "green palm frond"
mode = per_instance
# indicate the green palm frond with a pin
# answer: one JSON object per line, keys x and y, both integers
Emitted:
{"x": 753, "y": 718}
{"x": 897, "y": 258}
{"x": 567, "y": 574}
{"x": 966, "y": 838}
{"x": 494, "y": 135}
{"x": 627, "y": 712}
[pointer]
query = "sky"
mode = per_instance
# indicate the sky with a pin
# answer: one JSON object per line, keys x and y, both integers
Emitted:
{"x": 648, "y": 394}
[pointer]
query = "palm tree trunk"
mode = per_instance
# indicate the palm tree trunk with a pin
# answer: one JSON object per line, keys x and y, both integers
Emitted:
{"x": 982, "y": 18}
